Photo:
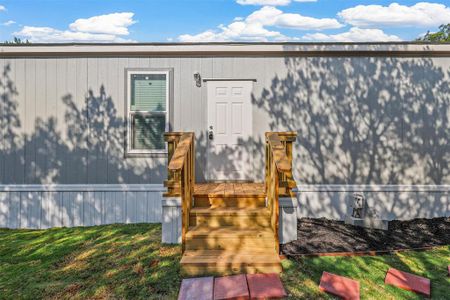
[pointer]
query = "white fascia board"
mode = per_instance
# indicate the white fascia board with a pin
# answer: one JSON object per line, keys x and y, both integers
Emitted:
{"x": 211, "y": 49}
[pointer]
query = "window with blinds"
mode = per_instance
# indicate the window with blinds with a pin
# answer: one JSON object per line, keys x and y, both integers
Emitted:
{"x": 148, "y": 93}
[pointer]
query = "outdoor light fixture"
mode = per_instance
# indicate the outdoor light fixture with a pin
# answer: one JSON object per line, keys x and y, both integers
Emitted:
{"x": 198, "y": 79}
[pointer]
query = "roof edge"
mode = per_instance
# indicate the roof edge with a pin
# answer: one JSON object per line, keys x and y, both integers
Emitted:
{"x": 204, "y": 49}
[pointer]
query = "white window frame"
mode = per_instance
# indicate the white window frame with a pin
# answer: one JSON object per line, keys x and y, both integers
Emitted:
{"x": 130, "y": 112}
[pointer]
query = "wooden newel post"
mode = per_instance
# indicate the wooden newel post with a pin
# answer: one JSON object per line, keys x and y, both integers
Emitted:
{"x": 287, "y": 182}
{"x": 285, "y": 178}
{"x": 173, "y": 182}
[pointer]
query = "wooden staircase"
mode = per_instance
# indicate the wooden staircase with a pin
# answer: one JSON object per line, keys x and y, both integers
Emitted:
{"x": 230, "y": 231}
{"x": 229, "y": 228}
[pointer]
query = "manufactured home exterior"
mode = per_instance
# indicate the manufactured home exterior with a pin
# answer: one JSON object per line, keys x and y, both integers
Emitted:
{"x": 83, "y": 126}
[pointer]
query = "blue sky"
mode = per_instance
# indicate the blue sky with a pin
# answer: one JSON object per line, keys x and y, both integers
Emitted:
{"x": 219, "y": 20}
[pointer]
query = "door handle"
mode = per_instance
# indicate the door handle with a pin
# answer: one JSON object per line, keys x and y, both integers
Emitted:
{"x": 210, "y": 133}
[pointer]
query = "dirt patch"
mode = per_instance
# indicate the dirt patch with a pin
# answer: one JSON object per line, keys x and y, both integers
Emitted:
{"x": 324, "y": 236}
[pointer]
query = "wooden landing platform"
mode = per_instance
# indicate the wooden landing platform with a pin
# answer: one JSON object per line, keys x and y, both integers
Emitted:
{"x": 229, "y": 189}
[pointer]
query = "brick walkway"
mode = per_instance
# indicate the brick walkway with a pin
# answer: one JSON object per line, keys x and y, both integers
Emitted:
{"x": 256, "y": 286}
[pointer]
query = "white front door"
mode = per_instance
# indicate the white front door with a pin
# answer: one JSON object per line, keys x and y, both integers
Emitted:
{"x": 229, "y": 135}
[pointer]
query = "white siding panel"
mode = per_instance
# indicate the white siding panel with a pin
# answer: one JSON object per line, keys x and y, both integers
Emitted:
{"x": 46, "y": 211}
{"x": 98, "y": 208}
{"x": 141, "y": 206}
{"x": 88, "y": 210}
{"x": 120, "y": 207}
{"x": 51, "y": 210}
{"x": 14, "y": 210}
{"x": 109, "y": 208}
{"x": 131, "y": 210}
{"x": 78, "y": 208}
{"x": 4, "y": 209}
{"x": 30, "y": 210}
{"x": 67, "y": 210}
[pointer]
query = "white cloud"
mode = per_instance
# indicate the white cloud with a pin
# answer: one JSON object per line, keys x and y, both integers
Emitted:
{"x": 51, "y": 35}
{"x": 355, "y": 34}
{"x": 270, "y": 2}
{"x": 116, "y": 23}
{"x": 253, "y": 28}
{"x": 7, "y": 23}
{"x": 297, "y": 21}
{"x": 272, "y": 16}
{"x": 236, "y": 31}
{"x": 2, "y": 8}
{"x": 422, "y": 14}
{"x": 109, "y": 28}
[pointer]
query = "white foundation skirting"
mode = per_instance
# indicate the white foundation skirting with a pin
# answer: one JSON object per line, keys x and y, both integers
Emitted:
{"x": 46, "y": 206}
{"x": 171, "y": 220}
{"x": 287, "y": 227}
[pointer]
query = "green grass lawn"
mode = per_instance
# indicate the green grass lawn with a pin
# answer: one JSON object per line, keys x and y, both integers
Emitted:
{"x": 129, "y": 262}
{"x": 301, "y": 277}
{"x": 104, "y": 262}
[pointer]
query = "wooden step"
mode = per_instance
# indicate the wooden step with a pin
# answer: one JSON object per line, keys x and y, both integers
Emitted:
{"x": 245, "y": 201}
{"x": 229, "y": 216}
{"x": 229, "y": 189}
{"x": 217, "y": 262}
{"x": 203, "y": 237}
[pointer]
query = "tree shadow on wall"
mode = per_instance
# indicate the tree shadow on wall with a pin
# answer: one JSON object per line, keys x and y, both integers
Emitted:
{"x": 364, "y": 120}
{"x": 247, "y": 156}
{"x": 87, "y": 145}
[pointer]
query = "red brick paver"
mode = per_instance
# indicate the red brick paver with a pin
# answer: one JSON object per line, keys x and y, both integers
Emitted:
{"x": 196, "y": 288}
{"x": 231, "y": 287}
{"x": 263, "y": 286}
{"x": 340, "y": 286}
{"x": 408, "y": 281}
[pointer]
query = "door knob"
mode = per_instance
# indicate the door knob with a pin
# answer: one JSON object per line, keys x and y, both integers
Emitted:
{"x": 210, "y": 133}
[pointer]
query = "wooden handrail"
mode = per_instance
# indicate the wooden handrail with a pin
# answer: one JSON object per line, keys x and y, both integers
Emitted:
{"x": 178, "y": 158}
{"x": 278, "y": 180}
{"x": 181, "y": 174}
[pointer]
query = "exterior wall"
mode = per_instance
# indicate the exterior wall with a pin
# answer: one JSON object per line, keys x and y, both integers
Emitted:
{"x": 360, "y": 120}
{"x": 40, "y": 206}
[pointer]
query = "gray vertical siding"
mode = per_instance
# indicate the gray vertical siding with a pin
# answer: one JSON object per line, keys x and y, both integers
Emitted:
{"x": 72, "y": 117}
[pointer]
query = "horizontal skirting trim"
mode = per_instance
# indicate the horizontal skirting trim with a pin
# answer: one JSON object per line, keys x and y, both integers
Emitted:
{"x": 371, "y": 188}
{"x": 82, "y": 188}
{"x": 161, "y": 188}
